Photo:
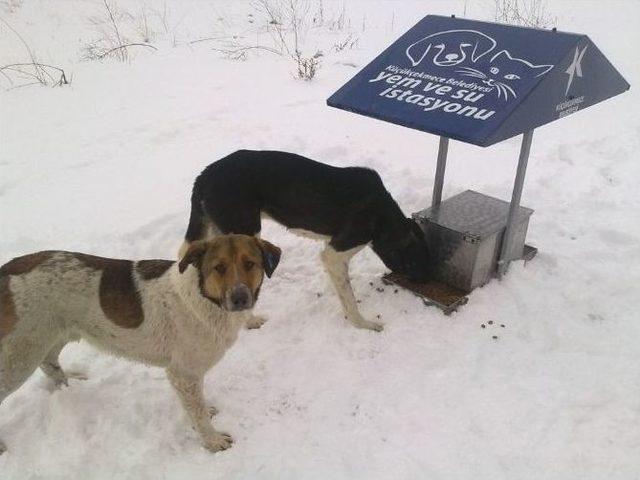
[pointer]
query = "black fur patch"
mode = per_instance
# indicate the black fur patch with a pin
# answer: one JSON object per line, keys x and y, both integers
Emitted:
{"x": 150, "y": 269}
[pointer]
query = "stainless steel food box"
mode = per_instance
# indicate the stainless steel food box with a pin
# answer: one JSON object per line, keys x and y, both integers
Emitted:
{"x": 465, "y": 234}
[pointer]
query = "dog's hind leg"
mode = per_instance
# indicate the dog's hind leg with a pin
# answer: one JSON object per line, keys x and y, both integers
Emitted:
{"x": 20, "y": 355}
{"x": 337, "y": 265}
{"x": 19, "y": 358}
{"x": 209, "y": 230}
{"x": 195, "y": 229}
{"x": 199, "y": 226}
{"x": 51, "y": 367}
{"x": 3, "y": 447}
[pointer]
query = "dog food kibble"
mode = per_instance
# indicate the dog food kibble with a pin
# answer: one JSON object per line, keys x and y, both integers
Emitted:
{"x": 380, "y": 289}
{"x": 483, "y": 326}
{"x": 395, "y": 290}
{"x": 495, "y": 337}
{"x": 371, "y": 284}
{"x": 502, "y": 325}
{"x": 490, "y": 322}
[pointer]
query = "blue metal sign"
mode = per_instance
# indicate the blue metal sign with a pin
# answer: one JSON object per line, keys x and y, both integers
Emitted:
{"x": 480, "y": 82}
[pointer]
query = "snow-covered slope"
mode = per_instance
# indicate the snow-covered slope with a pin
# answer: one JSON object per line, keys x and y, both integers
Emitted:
{"x": 105, "y": 166}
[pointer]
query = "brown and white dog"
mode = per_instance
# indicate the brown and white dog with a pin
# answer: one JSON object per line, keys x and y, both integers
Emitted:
{"x": 180, "y": 316}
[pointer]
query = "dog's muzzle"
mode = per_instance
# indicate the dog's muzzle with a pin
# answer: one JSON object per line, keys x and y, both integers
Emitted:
{"x": 239, "y": 298}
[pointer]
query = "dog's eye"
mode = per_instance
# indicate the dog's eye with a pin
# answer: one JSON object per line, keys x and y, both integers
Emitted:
{"x": 220, "y": 268}
{"x": 248, "y": 265}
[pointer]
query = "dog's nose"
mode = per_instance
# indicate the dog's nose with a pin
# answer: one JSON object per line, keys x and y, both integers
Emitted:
{"x": 240, "y": 298}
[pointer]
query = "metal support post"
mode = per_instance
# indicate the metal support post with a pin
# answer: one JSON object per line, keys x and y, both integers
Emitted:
{"x": 438, "y": 183}
{"x": 503, "y": 262}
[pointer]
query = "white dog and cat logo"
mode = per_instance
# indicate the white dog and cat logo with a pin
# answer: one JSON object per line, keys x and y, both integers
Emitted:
{"x": 454, "y": 70}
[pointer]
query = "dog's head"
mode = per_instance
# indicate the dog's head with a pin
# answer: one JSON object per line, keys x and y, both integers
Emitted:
{"x": 231, "y": 268}
{"x": 405, "y": 250}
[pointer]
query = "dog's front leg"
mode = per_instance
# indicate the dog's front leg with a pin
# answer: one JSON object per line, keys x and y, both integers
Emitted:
{"x": 189, "y": 390}
{"x": 337, "y": 265}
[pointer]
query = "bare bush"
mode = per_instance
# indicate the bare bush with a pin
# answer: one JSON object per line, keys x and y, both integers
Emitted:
{"x": 339, "y": 22}
{"x": 348, "y": 42}
{"x": 143, "y": 27}
{"x": 168, "y": 26}
{"x": 307, "y": 66}
{"x": 111, "y": 41}
{"x": 235, "y": 50}
{"x": 285, "y": 28}
{"x": 286, "y": 24}
{"x": 528, "y": 13}
{"x": 285, "y": 21}
{"x": 33, "y": 71}
{"x": 11, "y": 6}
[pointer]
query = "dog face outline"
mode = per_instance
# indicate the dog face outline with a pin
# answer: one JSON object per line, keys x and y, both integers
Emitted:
{"x": 231, "y": 268}
{"x": 451, "y": 47}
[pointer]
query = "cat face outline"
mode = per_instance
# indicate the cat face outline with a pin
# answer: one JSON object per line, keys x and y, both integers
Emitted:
{"x": 505, "y": 72}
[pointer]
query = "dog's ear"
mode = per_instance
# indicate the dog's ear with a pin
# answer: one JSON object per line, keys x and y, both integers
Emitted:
{"x": 270, "y": 256}
{"x": 193, "y": 256}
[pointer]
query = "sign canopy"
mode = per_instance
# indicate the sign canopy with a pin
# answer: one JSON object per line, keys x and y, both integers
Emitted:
{"x": 480, "y": 82}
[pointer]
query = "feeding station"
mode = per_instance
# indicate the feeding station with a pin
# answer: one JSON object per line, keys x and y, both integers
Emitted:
{"x": 479, "y": 83}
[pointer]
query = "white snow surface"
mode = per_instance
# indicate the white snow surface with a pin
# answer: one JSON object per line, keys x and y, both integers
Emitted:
{"x": 105, "y": 166}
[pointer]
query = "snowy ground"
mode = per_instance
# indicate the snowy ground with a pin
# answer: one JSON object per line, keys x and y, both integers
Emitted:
{"x": 105, "y": 166}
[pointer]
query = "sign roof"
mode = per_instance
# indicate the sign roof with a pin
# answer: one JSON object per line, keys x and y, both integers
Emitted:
{"x": 480, "y": 82}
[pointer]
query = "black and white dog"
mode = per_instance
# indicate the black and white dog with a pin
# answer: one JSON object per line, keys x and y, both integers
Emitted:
{"x": 348, "y": 207}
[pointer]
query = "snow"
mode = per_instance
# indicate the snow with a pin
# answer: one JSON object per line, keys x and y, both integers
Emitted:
{"x": 105, "y": 166}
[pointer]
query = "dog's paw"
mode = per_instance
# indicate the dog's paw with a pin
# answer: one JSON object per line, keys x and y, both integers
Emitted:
{"x": 366, "y": 324}
{"x": 213, "y": 411}
{"x": 77, "y": 375}
{"x": 73, "y": 375}
{"x": 375, "y": 326}
{"x": 62, "y": 379}
{"x": 255, "y": 322}
{"x": 217, "y": 442}
{"x": 58, "y": 383}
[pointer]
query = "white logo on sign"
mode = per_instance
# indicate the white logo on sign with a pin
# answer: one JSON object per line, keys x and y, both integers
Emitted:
{"x": 575, "y": 68}
{"x": 463, "y": 49}
{"x": 451, "y": 47}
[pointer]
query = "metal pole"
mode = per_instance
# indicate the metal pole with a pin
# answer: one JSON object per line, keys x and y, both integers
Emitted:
{"x": 443, "y": 148}
{"x": 503, "y": 263}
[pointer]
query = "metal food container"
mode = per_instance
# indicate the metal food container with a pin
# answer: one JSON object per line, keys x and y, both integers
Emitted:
{"x": 465, "y": 235}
